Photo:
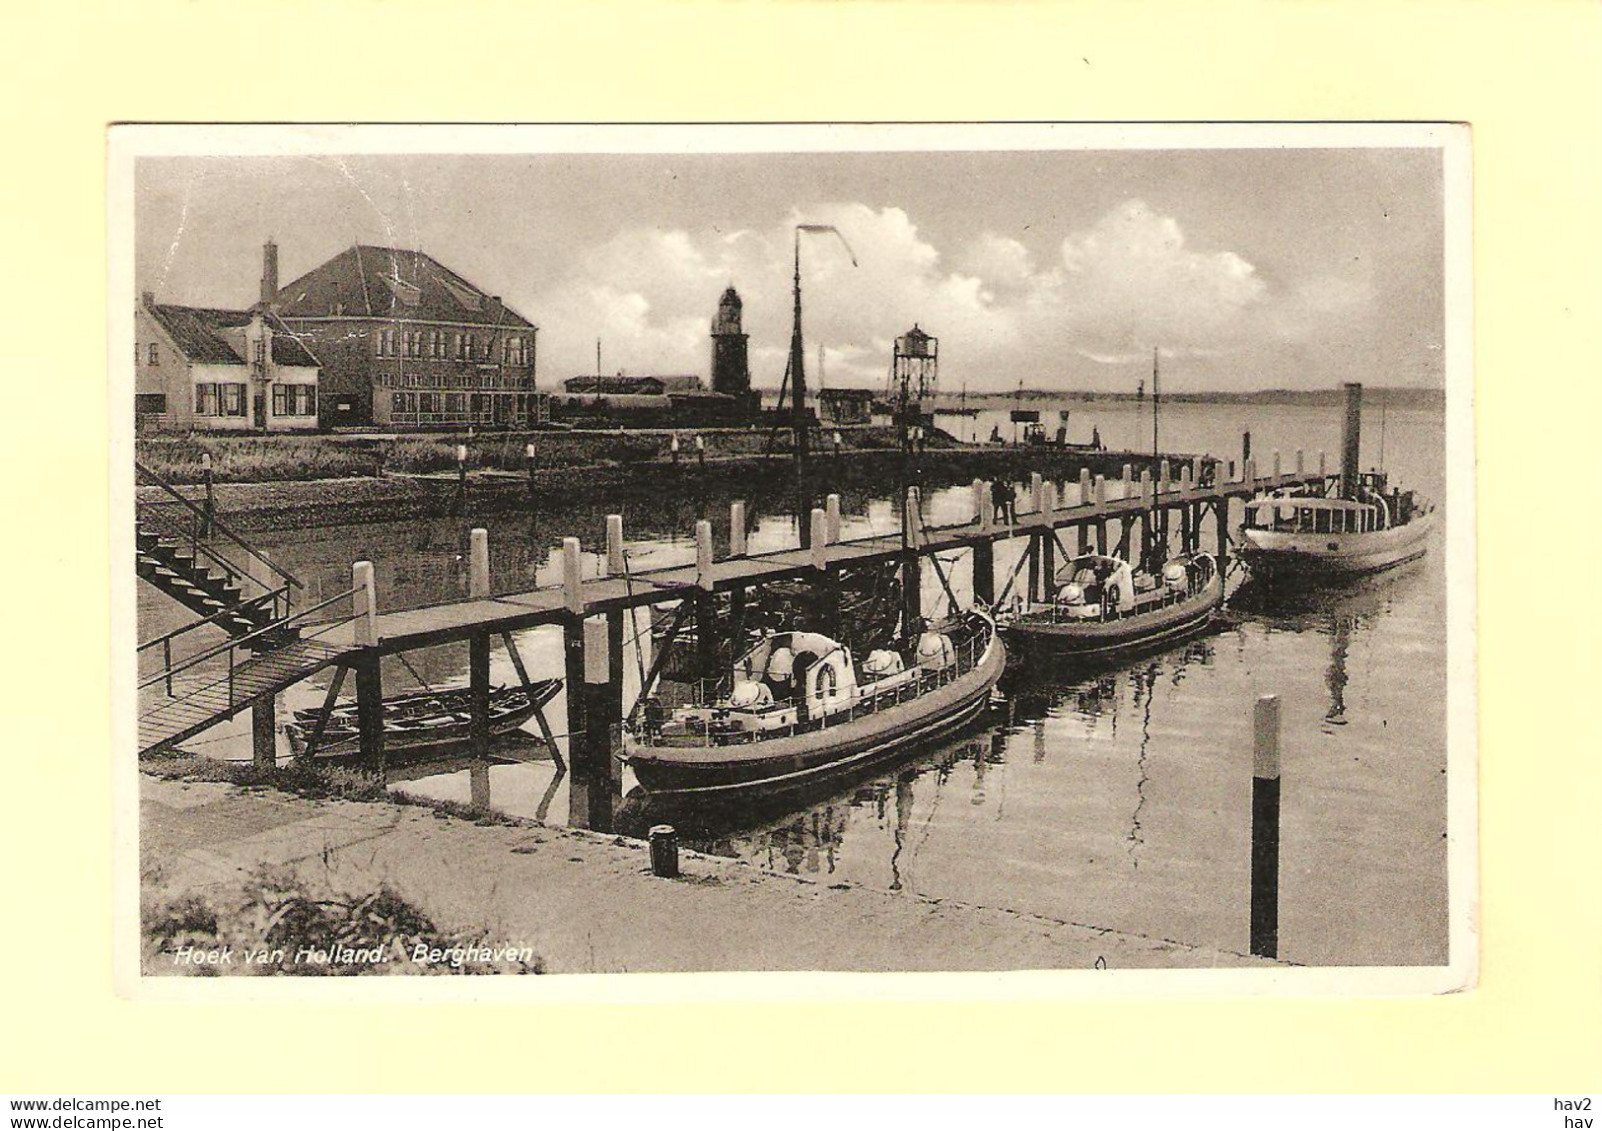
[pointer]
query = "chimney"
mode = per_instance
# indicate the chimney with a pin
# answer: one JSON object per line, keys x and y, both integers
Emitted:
{"x": 1351, "y": 439}
{"x": 269, "y": 272}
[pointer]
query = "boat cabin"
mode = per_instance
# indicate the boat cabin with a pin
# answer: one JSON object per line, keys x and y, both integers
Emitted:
{"x": 1098, "y": 586}
{"x": 1295, "y": 514}
{"x": 796, "y": 680}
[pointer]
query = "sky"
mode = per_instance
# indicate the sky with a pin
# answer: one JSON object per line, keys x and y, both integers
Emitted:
{"x": 1057, "y": 269}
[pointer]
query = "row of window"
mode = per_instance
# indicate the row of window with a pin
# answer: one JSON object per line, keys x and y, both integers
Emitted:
{"x": 467, "y": 380}
{"x": 220, "y": 399}
{"x": 228, "y": 399}
{"x": 515, "y": 350}
{"x": 294, "y": 400}
{"x": 480, "y": 404}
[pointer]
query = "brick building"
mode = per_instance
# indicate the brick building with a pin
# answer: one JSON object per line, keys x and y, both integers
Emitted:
{"x": 405, "y": 342}
{"x": 220, "y": 370}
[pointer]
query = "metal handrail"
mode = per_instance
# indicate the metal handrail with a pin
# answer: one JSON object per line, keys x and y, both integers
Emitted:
{"x": 232, "y": 610}
{"x": 233, "y": 644}
{"x": 217, "y": 524}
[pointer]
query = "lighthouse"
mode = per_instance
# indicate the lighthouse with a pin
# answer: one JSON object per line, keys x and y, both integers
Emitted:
{"x": 731, "y": 373}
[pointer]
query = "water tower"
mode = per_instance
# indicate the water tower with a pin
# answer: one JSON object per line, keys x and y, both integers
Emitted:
{"x": 914, "y": 374}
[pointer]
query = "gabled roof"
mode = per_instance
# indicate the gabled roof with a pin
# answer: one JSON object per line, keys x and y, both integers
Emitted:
{"x": 386, "y": 282}
{"x": 203, "y": 335}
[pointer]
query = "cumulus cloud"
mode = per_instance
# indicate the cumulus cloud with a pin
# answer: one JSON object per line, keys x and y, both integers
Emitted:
{"x": 1108, "y": 293}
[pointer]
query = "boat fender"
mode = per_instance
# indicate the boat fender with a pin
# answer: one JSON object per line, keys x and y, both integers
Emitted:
{"x": 1174, "y": 575}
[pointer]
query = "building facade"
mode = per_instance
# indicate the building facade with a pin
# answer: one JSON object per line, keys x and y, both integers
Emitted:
{"x": 405, "y": 342}
{"x": 198, "y": 368}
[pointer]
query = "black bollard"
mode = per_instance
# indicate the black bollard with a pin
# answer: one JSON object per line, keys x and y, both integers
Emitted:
{"x": 664, "y": 851}
{"x": 1265, "y": 828}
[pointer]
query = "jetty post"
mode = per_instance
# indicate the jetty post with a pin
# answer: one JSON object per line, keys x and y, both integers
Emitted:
{"x": 1351, "y": 439}
{"x": 1037, "y": 498}
{"x": 832, "y": 514}
{"x": 208, "y": 511}
{"x": 369, "y": 673}
{"x": 706, "y": 624}
{"x": 530, "y": 455}
{"x": 478, "y": 565}
{"x": 737, "y": 549}
{"x": 1100, "y": 496}
{"x": 478, "y": 665}
{"x": 1265, "y": 828}
{"x": 1084, "y": 497}
{"x": 911, "y": 562}
{"x": 1048, "y": 538}
{"x": 984, "y": 550}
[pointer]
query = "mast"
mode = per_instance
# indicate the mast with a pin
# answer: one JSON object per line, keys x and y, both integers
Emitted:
{"x": 1156, "y": 400}
{"x": 798, "y": 405}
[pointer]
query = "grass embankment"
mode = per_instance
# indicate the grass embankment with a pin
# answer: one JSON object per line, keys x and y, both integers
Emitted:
{"x": 265, "y": 459}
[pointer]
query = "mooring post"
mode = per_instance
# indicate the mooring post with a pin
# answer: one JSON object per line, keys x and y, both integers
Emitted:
{"x": 209, "y": 514}
{"x": 1036, "y": 494}
{"x": 703, "y": 554}
{"x": 529, "y": 454}
{"x": 478, "y": 564}
{"x": 1099, "y": 496}
{"x": 664, "y": 851}
{"x": 831, "y": 512}
{"x": 912, "y": 564}
{"x": 370, "y": 710}
{"x": 673, "y": 446}
{"x": 579, "y": 756}
{"x": 700, "y": 451}
{"x": 1128, "y": 477}
{"x": 1147, "y": 495}
{"x": 615, "y": 564}
{"x": 264, "y": 731}
{"x": 1245, "y": 446}
{"x": 1221, "y": 533}
{"x": 1276, "y": 465}
{"x": 984, "y": 512}
{"x": 737, "y": 529}
{"x": 595, "y": 788}
{"x": 364, "y": 604}
{"x": 820, "y": 539}
{"x": 706, "y": 642}
{"x": 1322, "y": 464}
{"x": 1265, "y": 828}
{"x": 478, "y": 696}
{"x": 1048, "y": 540}
{"x": 1299, "y": 465}
{"x": 984, "y": 550}
{"x": 1249, "y": 473}
{"x": 572, "y": 576}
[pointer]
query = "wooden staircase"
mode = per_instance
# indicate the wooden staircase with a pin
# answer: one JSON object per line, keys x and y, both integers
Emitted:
{"x": 207, "y": 588}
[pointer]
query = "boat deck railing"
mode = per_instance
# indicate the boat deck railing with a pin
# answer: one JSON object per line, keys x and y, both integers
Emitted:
{"x": 1057, "y": 612}
{"x": 967, "y": 653}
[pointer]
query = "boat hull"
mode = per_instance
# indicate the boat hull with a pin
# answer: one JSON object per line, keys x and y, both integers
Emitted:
{"x": 797, "y": 760}
{"x": 1108, "y": 638}
{"x": 1273, "y": 554}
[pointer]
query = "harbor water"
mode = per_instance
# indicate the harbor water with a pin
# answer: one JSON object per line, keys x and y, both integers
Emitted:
{"x": 1116, "y": 797}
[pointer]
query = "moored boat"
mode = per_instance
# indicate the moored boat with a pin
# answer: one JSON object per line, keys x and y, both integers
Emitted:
{"x": 423, "y": 723}
{"x": 1101, "y": 606}
{"x": 799, "y": 706}
{"x": 1293, "y": 534}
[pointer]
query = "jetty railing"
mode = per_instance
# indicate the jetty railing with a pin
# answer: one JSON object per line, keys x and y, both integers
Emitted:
{"x": 202, "y": 522}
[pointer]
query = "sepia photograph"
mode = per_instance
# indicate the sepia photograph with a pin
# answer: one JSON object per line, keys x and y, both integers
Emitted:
{"x": 796, "y": 549}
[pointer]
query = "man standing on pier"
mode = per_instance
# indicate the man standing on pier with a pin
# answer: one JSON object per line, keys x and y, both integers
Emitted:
{"x": 1005, "y": 507}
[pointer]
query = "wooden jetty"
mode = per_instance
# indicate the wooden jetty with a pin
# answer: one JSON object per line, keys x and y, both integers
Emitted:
{"x": 592, "y": 610}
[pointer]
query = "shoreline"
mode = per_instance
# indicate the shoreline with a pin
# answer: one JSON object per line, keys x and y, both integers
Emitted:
{"x": 587, "y": 902}
{"x": 290, "y": 504}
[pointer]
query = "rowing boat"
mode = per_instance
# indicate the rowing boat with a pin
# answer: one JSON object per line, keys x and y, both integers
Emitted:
{"x": 422, "y": 723}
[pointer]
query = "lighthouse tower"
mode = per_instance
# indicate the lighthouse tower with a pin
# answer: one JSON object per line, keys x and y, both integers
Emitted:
{"x": 731, "y": 372}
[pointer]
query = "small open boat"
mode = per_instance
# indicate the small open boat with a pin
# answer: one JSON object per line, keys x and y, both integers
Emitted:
{"x": 1100, "y": 605}
{"x": 798, "y": 706}
{"x": 426, "y": 722}
{"x": 1306, "y": 534}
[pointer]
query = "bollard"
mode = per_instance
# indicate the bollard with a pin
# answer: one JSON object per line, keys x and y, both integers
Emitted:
{"x": 1048, "y": 502}
{"x": 1265, "y": 828}
{"x": 1084, "y": 485}
{"x": 737, "y": 529}
{"x": 820, "y": 539}
{"x": 1128, "y": 479}
{"x": 1037, "y": 491}
{"x": 664, "y": 851}
{"x": 1100, "y": 495}
{"x": 1163, "y": 476}
{"x": 478, "y": 572}
{"x": 529, "y": 454}
{"x": 615, "y": 565}
{"x": 364, "y": 603}
{"x": 983, "y": 513}
{"x": 914, "y": 517}
{"x": 673, "y": 447}
{"x": 831, "y": 511}
{"x": 703, "y": 554}
{"x": 572, "y": 576}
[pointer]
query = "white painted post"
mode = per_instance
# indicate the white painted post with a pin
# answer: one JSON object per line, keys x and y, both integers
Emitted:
{"x": 1163, "y": 476}
{"x": 1299, "y": 464}
{"x": 832, "y": 513}
{"x": 820, "y": 539}
{"x": 461, "y": 453}
{"x": 1249, "y": 472}
{"x": 1048, "y": 502}
{"x": 597, "y": 667}
{"x": 1276, "y": 463}
{"x": 1128, "y": 480}
{"x": 914, "y": 516}
{"x": 1084, "y": 485}
{"x": 1100, "y": 495}
{"x": 1147, "y": 487}
{"x": 615, "y": 566}
{"x": 572, "y": 576}
{"x": 1184, "y": 480}
{"x": 703, "y": 554}
{"x": 478, "y": 573}
{"x": 1037, "y": 492}
{"x": 983, "y": 513}
{"x": 364, "y": 603}
{"x": 737, "y": 529}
